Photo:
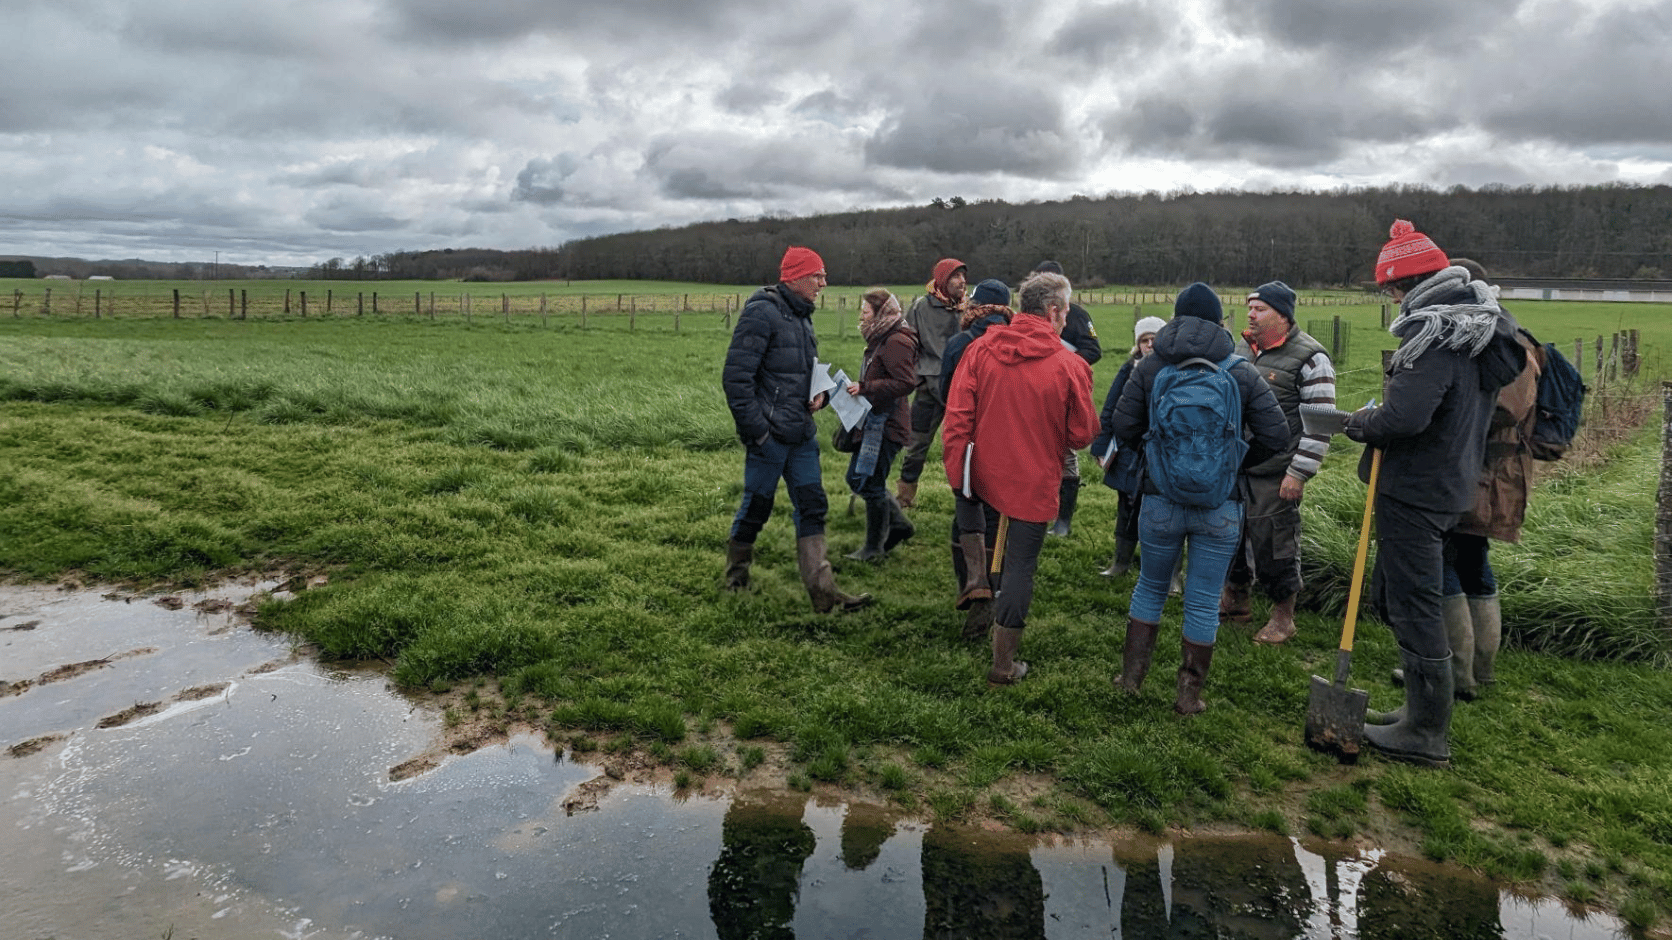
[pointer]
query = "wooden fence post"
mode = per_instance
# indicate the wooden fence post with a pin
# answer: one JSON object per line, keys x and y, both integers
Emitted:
{"x": 205, "y": 305}
{"x": 505, "y": 307}
{"x": 46, "y": 303}
{"x": 17, "y": 301}
{"x": 542, "y": 310}
{"x": 243, "y": 305}
{"x": 432, "y": 305}
{"x": 287, "y": 301}
{"x": 328, "y": 300}
{"x": 98, "y": 301}
{"x": 374, "y": 303}
{"x": 359, "y": 303}
{"x": 304, "y": 305}
{"x": 417, "y": 303}
{"x": 583, "y": 311}
{"x": 1663, "y": 516}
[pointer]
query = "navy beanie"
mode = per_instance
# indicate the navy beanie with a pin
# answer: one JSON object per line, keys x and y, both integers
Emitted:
{"x": 1278, "y": 296}
{"x": 991, "y": 291}
{"x": 1198, "y": 300}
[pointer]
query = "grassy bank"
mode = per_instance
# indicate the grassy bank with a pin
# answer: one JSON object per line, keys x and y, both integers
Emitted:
{"x": 545, "y": 508}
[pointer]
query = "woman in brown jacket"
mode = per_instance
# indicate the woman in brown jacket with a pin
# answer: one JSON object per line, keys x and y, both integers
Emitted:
{"x": 887, "y": 378}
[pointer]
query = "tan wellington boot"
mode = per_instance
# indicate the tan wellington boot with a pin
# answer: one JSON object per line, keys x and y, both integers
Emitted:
{"x": 1487, "y": 618}
{"x": 738, "y": 558}
{"x": 1007, "y": 669}
{"x": 1460, "y": 633}
{"x": 905, "y": 494}
{"x": 1234, "y": 604}
{"x": 820, "y": 580}
{"x": 1281, "y": 626}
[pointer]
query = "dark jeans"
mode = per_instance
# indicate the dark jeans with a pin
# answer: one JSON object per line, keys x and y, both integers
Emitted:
{"x": 1468, "y": 566}
{"x": 927, "y": 410}
{"x": 798, "y": 466}
{"x": 874, "y": 488}
{"x": 1270, "y": 548}
{"x": 1410, "y": 572}
{"x": 1021, "y": 558}
{"x": 1126, "y": 515}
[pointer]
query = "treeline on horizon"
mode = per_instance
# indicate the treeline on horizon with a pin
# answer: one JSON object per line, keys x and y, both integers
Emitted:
{"x": 1309, "y": 239}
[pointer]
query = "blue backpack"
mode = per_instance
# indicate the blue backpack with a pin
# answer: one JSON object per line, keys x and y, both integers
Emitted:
{"x": 1561, "y": 404}
{"x": 1194, "y": 446}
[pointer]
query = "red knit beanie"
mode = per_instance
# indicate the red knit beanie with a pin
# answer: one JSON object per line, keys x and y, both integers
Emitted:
{"x": 798, "y": 263}
{"x": 1407, "y": 254}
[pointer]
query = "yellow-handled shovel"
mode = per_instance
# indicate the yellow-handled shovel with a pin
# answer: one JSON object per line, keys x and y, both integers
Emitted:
{"x": 1335, "y": 713}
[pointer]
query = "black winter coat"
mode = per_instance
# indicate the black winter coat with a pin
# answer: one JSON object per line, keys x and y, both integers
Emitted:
{"x": 769, "y": 368}
{"x": 1080, "y": 334}
{"x": 1184, "y": 338}
{"x": 961, "y": 341}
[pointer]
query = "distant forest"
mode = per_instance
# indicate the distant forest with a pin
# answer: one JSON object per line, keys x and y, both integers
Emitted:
{"x": 1309, "y": 239}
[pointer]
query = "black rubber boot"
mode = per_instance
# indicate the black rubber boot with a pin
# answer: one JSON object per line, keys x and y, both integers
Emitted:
{"x": 1136, "y": 654}
{"x": 1122, "y": 562}
{"x": 1419, "y": 736}
{"x": 899, "y": 527}
{"x": 876, "y": 531}
{"x": 1068, "y": 496}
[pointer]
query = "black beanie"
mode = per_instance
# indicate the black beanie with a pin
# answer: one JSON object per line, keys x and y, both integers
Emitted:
{"x": 1198, "y": 300}
{"x": 1278, "y": 296}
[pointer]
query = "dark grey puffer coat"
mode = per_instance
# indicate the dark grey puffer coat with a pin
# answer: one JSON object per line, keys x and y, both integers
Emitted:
{"x": 769, "y": 367}
{"x": 1181, "y": 339}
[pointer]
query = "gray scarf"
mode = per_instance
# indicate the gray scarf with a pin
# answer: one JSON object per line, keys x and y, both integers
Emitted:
{"x": 1466, "y": 326}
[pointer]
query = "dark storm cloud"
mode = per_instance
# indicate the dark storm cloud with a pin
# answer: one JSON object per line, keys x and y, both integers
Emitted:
{"x": 1587, "y": 77}
{"x": 1367, "y": 27}
{"x": 991, "y": 123}
{"x": 1114, "y": 34}
{"x": 542, "y": 179}
{"x": 719, "y": 167}
{"x": 449, "y": 21}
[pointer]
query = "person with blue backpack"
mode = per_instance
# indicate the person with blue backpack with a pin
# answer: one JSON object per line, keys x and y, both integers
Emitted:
{"x": 1197, "y": 409}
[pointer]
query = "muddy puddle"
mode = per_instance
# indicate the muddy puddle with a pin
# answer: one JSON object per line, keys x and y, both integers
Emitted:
{"x": 171, "y": 773}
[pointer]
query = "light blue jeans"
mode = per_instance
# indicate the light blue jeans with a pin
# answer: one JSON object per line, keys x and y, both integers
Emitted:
{"x": 1213, "y": 534}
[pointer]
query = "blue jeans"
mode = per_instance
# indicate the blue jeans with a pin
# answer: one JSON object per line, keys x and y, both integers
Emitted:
{"x": 798, "y": 466}
{"x": 1213, "y": 535}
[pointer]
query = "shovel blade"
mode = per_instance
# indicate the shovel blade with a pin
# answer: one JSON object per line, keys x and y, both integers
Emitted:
{"x": 1335, "y": 719}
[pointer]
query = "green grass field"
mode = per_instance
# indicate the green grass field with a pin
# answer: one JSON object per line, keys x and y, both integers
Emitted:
{"x": 544, "y": 507}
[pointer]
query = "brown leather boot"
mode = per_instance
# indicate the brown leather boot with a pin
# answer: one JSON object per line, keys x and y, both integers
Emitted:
{"x": 1007, "y": 669}
{"x": 1281, "y": 626}
{"x": 738, "y": 558}
{"x": 820, "y": 580}
{"x": 973, "y": 547}
{"x": 1193, "y": 671}
{"x": 1135, "y": 656}
{"x": 1234, "y": 604}
{"x": 905, "y": 494}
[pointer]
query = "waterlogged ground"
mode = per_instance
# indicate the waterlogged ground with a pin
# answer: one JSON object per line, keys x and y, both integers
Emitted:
{"x": 171, "y": 773}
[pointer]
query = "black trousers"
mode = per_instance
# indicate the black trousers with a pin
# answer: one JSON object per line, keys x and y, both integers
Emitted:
{"x": 1408, "y": 580}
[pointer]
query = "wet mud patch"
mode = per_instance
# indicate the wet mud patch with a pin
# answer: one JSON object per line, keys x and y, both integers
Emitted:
{"x": 417, "y": 766}
{"x": 25, "y": 748}
{"x": 132, "y": 713}
{"x": 69, "y": 671}
{"x": 27, "y": 625}
{"x": 169, "y": 602}
{"x": 198, "y": 693}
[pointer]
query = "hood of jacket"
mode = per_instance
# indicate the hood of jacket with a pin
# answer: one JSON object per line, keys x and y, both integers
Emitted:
{"x": 1027, "y": 337}
{"x": 979, "y": 326}
{"x": 1185, "y": 337}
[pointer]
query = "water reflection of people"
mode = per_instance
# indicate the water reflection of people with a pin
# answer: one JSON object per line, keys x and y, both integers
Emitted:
{"x": 753, "y": 885}
{"x": 1250, "y": 888}
{"x": 1412, "y": 900}
{"x": 976, "y": 885}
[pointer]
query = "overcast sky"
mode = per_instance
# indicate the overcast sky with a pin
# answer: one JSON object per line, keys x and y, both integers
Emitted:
{"x": 292, "y": 131}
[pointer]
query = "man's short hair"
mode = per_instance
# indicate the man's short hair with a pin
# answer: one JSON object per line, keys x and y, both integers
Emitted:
{"x": 1041, "y": 289}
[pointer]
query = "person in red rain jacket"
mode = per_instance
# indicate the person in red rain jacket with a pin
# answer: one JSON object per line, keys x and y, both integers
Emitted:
{"x": 1019, "y": 401}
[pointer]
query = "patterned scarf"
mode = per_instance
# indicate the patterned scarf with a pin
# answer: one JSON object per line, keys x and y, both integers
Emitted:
{"x": 881, "y": 321}
{"x": 934, "y": 289}
{"x": 1466, "y": 326}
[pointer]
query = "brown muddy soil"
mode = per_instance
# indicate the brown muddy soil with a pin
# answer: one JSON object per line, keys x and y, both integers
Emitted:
{"x": 25, "y": 748}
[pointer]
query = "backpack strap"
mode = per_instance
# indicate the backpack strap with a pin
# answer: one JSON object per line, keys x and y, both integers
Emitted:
{"x": 1199, "y": 361}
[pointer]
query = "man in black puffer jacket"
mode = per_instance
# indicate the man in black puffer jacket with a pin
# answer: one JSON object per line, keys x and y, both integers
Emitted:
{"x": 1455, "y": 352}
{"x": 767, "y": 377}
